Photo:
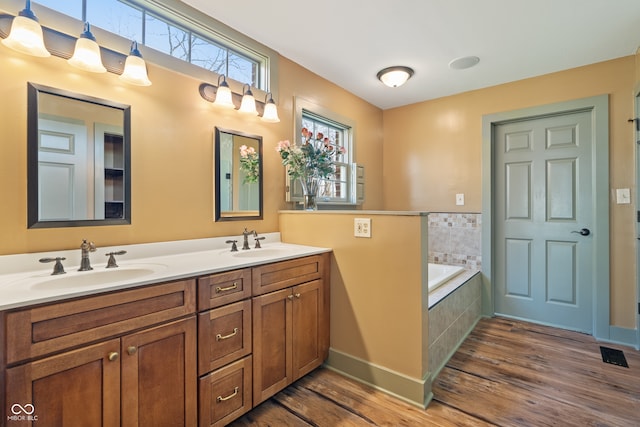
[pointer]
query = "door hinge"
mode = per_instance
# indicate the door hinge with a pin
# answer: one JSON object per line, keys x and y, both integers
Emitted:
{"x": 639, "y": 308}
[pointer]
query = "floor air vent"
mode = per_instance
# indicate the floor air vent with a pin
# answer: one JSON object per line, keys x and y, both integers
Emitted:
{"x": 613, "y": 356}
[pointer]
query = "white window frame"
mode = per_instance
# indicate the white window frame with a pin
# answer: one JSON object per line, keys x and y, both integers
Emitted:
{"x": 179, "y": 13}
{"x": 294, "y": 190}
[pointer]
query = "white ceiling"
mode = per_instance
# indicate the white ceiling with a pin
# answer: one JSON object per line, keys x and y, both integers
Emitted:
{"x": 349, "y": 41}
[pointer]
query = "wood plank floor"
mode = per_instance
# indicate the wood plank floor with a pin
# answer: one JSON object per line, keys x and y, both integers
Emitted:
{"x": 507, "y": 373}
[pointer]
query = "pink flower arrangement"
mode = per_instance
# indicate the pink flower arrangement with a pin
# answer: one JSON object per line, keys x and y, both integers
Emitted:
{"x": 313, "y": 158}
{"x": 250, "y": 164}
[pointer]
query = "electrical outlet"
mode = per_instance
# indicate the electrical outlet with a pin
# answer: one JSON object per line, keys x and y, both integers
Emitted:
{"x": 460, "y": 199}
{"x": 362, "y": 227}
{"x": 623, "y": 196}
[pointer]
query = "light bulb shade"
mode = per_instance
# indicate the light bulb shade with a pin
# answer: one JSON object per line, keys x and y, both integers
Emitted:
{"x": 26, "y": 37}
{"x": 135, "y": 69}
{"x": 395, "y": 76}
{"x": 248, "y": 105}
{"x": 224, "y": 97}
{"x": 87, "y": 57}
{"x": 270, "y": 114}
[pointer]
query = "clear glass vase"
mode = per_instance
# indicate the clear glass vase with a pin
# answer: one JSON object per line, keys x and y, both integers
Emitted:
{"x": 309, "y": 193}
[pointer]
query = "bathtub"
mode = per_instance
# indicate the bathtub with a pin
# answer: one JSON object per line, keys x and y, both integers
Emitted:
{"x": 440, "y": 273}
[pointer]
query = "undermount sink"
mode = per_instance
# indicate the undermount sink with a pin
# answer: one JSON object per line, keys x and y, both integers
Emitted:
{"x": 259, "y": 253}
{"x": 94, "y": 277}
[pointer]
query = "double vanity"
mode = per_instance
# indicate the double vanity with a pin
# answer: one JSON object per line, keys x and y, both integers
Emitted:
{"x": 180, "y": 333}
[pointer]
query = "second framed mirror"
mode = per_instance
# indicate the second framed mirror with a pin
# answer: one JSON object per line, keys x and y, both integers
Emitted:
{"x": 237, "y": 175}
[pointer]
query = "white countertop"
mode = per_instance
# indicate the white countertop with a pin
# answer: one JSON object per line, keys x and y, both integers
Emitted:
{"x": 25, "y": 281}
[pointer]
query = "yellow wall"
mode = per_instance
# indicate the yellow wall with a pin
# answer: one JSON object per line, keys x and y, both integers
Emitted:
{"x": 378, "y": 304}
{"x": 171, "y": 151}
{"x": 432, "y": 150}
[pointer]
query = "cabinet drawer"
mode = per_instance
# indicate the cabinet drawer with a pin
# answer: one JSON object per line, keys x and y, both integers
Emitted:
{"x": 280, "y": 275}
{"x": 48, "y": 329}
{"x": 223, "y": 288}
{"x": 225, "y": 394}
{"x": 224, "y": 335}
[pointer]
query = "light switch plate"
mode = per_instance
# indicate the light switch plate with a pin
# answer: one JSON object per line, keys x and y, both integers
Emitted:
{"x": 362, "y": 227}
{"x": 460, "y": 199}
{"x": 623, "y": 196}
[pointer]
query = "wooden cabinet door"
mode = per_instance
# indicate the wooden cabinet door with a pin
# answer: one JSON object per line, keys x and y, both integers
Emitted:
{"x": 77, "y": 388}
{"x": 308, "y": 310}
{"x": 272, "y": 335}
{"x": 159, "y": 378}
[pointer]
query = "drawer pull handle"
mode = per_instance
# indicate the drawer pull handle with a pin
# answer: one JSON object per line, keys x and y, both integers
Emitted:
{"x": 222, "y": 399}
{"x": 225, "y": 337}
{"x": 228, "y": 288}
{"x": 131, "y": 350}
{"x": 113, "y": 356}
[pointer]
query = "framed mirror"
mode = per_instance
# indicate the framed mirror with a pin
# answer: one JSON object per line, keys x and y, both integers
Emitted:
{"x": 237, "y": 175}
{"x": 78, "y": 159}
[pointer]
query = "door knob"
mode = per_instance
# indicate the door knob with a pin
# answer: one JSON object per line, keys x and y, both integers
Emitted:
{"x": 583, "y": 232}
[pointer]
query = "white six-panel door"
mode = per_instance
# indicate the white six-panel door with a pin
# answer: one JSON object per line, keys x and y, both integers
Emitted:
{"x": 543, "y": 220}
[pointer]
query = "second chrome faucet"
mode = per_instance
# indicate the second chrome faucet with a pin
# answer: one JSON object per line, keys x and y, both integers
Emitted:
{"x": 246, "y": 233}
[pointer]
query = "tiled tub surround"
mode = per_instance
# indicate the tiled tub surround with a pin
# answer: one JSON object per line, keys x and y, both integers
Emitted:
{"x": 455, "y": 239}
{"x": 454, "y": 307}
{"x": 452, "y": 317}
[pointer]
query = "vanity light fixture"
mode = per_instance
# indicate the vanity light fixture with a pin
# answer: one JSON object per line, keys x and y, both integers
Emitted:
{"x": 86, "y": 55}
{"x": 135, "y": 69}
{"x": 395, "y": 76}
{"x": 222, "y": 95}
{"x": 270, "y": 114}
{"x": 248, "y": 105}
{"x": 26, "y": 34}
{"x": 224, "y": 98}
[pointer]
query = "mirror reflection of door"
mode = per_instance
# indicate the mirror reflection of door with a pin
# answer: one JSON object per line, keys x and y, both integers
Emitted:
{"x": 63, "y": 191}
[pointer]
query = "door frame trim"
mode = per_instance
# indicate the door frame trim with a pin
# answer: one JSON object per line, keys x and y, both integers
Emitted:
{"x": 636, "y": 134}
{"x": 599, "y": 108}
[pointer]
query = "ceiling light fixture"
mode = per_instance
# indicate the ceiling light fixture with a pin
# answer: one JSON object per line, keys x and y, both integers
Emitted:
{"x": 248, "y": 105}
{"x": 135, "y": 68}
{"x": 86, "y": 55}
{"x": 270, "y": 114}
{"x": 395, "y": 76}
{"x": 26, "y": 34}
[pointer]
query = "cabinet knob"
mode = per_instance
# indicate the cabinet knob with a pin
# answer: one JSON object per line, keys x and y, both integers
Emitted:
{"x": 297, "y": 295}
{"x": 113, "y": 356}
{"x": 290, "y": 296}
{"x": 131, "y": 350}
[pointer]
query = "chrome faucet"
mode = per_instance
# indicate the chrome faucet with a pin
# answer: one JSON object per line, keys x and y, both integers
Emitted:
{"x": 246, "y": 234}
{"x": 86, "y": 247}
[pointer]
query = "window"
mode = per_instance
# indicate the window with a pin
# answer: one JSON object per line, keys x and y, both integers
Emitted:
{"x": 341, "y": 188}
{"x": 172, "y": 34}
